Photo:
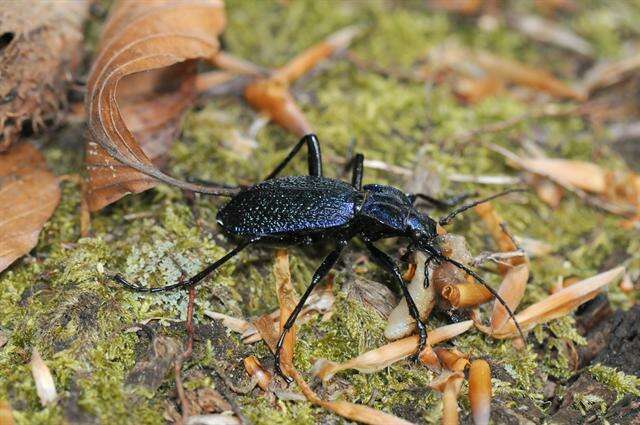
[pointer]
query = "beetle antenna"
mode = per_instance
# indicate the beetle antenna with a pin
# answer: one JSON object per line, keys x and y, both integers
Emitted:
{"x": 489, "y": 288}
{"x": 447, "y": 219}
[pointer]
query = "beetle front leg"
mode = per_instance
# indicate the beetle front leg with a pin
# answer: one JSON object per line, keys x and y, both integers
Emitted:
{"x": 326, "y": 265}
{"x": 388, "y": 264}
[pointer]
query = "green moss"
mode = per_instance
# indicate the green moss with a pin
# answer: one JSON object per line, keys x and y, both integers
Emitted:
{"x": 587, "y": 403}
{"x": 616, "y": 380}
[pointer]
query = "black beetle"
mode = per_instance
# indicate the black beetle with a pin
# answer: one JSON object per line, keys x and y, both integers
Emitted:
{"x": 306, "y": 209}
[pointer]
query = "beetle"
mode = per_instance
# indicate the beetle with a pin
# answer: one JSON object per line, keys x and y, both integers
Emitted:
{"x": 296, "y": 210}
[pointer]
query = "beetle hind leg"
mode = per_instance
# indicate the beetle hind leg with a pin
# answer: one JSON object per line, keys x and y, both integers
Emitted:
{"x": 192, "y": 281}
{"x": 314, "y": 157}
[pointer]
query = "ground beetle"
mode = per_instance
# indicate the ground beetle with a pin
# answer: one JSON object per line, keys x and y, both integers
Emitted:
{"x": 307, "y": 209}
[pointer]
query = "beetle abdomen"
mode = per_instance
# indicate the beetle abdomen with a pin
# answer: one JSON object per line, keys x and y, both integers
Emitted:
{"x": 289, "y": 204}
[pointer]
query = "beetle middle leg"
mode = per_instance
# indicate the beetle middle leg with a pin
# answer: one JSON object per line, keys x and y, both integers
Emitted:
{"x": 192, "y": 281}
{"x": 388, "y": 264}
{"x": 321, "y": 272}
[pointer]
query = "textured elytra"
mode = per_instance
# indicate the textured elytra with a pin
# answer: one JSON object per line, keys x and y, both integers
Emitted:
{"x": 289, "y": 204}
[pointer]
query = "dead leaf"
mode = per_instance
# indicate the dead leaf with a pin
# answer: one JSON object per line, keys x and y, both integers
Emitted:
{"x": 556, "y": 305}
{"x": 546, "y": 31}
{"x": 256, "y": 371}
{"x": 482, "y": 67}
{"x": 45, "y": 386}
{"x": 524, "y": 75}
{"x": 617, "y": 192}
{"x": 29, "y": 194}
{"x": 41, "y": 48}
{"x": 271, "y": 96}
{"x": 142, "y": 79}
{"x": 464, "y": 7}
{"x": 449, "y": 384}
{"x": 381, "y": 357}
{"x": 480, "y": 391}
{"x": 400, "y": 323}
{"x": 511, "y": 290}
{"x": 287, "y": 299}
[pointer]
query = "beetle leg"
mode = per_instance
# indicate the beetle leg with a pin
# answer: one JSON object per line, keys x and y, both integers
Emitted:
{"x": 314, "y": 157}
{"x": 192, "y": 281}
{"x": 388, "y": 264}
{"x": 358, "y": 168}
{"x": 321, "y": 272}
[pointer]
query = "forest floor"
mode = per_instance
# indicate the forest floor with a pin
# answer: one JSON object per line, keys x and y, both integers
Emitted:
{"x": 110, "y": 351}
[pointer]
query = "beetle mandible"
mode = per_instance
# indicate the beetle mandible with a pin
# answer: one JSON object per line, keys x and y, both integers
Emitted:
{"x": 297, "y": 210}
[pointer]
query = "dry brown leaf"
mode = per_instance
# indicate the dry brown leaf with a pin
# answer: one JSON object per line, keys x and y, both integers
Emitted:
{"x": 400, "y": 323}
{"x": 41, "y": 48}
{"x": 464, "y": 7}
{"x": 45, "y": 386}
{"x": 287, "y": 299}
{"x": 381, "y": 357}
{"x": 525, "y": 75}
{"x": 617, "y": 192}
{"x": 549, "y": 192}
{"x": 511, "y": 290}
{"x": 140, "y": 83}
{"x": 452, "y": 359}
{"x": 465, "y": 295}
{"x": 449, "y": 384}
{"x": 556, "y": 305}
{"x": 473, "y": 90}
{"x": 494, "y": 224}
{"x": 271, "y": 96}
{"x": 481, "y": 67}
{"x": 29, "y": 194}
{"x": 257, "y": 372}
